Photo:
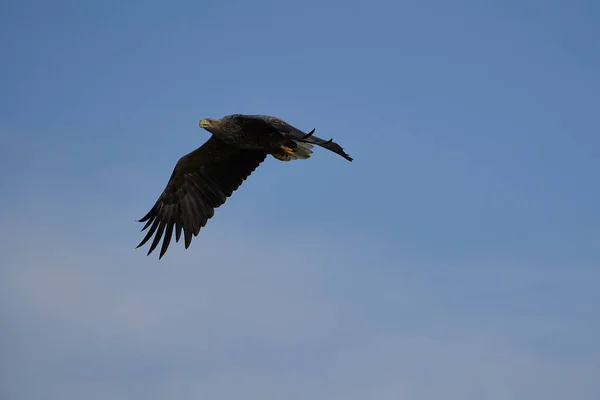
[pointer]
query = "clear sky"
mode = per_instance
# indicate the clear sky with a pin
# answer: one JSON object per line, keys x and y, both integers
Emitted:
{"x": 457, "y": 257}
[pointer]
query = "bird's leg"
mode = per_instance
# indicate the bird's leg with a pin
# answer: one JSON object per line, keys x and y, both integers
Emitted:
{"x": 281, "y": 157}
{"x": 287, "y": 150}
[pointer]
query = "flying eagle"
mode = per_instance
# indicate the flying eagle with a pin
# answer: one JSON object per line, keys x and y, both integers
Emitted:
{"x": 203, "y": 179}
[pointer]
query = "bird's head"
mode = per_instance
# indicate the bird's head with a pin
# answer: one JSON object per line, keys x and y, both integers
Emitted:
{"x": 206, "y": 123}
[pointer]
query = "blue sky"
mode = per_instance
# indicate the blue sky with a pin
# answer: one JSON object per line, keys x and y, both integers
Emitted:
{"x": 457, "y": 256}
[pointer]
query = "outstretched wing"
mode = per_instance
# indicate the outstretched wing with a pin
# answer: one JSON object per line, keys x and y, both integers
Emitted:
{"x": 286, "y": 129}
{"x": 201, "y": 181}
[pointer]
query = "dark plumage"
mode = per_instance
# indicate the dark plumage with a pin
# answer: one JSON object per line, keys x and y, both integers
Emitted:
{"x": 203, "y": 179}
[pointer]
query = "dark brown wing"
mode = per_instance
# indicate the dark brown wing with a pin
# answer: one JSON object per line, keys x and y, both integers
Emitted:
{"x": 200, "y": 182}
{"x": 268, "y": 123}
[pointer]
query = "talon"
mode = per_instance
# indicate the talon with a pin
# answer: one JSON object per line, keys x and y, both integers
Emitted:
{"x": 281, "y": 157}
{"x": 287, "y": 150}
{"x": 329, "y": 141}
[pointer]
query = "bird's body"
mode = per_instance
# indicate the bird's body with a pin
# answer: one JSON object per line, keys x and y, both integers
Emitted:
{"x": 203, "y": 179}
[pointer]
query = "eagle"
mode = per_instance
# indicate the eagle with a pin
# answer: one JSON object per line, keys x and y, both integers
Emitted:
{"x": 203, "y": 179}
